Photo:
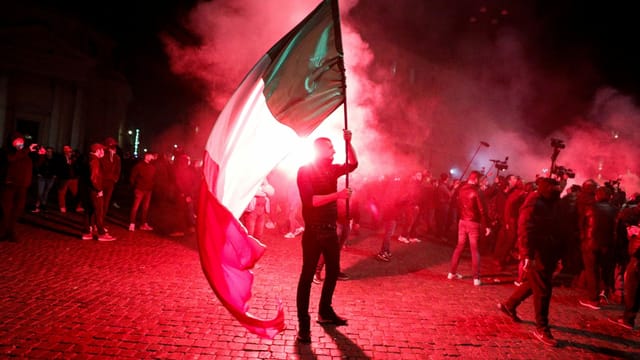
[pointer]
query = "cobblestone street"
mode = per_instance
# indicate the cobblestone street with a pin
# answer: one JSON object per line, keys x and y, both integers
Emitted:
{"x": 145, "y": 296}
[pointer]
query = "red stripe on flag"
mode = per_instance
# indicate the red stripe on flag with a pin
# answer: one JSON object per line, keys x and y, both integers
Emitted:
{"x": 228, "y": 254}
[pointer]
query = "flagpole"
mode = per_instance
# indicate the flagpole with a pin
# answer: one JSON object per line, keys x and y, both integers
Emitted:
{"x": 338, "y": 40}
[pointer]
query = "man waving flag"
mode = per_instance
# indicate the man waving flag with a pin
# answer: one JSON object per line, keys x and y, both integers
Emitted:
{"x": 287, "y": 94}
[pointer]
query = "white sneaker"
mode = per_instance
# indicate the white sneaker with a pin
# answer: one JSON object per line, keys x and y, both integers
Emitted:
{"x": 298, "y": 231}
{"x": 146, "y": 227}
{"x": 106, "y": 237}
{"x": 477, "y": 282}
{"x": 132, "y": 227}
{"x": 415, "y": 240}
{"x": 455, "y": 276}
{"x": 403, "y": 239}
{"x": 289, "y": 235}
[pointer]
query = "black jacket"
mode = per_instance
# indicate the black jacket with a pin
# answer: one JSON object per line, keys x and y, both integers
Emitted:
{"x": 471, "y": 205}
{"x": 600, "y": 226}
{"x": 538, "y": 230}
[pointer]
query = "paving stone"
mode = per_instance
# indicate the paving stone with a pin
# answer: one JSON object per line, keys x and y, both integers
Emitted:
{"x": 145, "y": 296}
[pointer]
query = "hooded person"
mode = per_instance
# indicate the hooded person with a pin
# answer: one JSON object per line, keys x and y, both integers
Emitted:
{"x": 15, "y": 178}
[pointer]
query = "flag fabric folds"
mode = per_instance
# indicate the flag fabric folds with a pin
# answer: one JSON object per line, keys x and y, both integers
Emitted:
{"x": 287, "y": 94}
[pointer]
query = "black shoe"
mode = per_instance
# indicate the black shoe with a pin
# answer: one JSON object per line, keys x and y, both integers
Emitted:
{"x": 332, "y": 320}
{"x": 545, "y": 337}
{"x": 342, "y": 276}
{"x": 509, "y": 312}
{"x": 303, "y": 338}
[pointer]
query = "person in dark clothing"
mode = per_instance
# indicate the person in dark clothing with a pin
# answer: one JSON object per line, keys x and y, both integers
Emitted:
{"x": 390, "y": 205}
{"x": 407, "y": 224}
{"x": 142, "y": 180}
{"x": 508, "y": 236}
{"x": 597, "y": 248}
{"x": 187, "y": 181}
{"x": 570, "y": 232}
{"x": 472, "y": 211}
{"x": 67, "y": 171}
{"x": 442, "y": 199}
{"x": 318, "y": 186}
{"x": 541, "y": 250}
{"x": 45, "y": 171}
{"x": 91, "y": 181}
{"x": 495, "y": 196}
{"x": 630, "y": 216}
{"x": 111, "y": 167}
{"x": 16, "y": 172}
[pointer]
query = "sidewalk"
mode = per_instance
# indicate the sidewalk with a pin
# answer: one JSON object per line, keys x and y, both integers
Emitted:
{"x": 144, "y": 296}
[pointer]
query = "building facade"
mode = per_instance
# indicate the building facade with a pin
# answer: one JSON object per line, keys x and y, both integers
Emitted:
{"x": 57, "y": 82}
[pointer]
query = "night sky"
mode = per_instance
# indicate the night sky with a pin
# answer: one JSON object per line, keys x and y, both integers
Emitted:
{"x": 510, "y": 72}
{"x": 593, "y": 34}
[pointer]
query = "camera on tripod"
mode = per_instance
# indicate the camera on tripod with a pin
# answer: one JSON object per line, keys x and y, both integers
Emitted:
{"x": 500, "y": 165}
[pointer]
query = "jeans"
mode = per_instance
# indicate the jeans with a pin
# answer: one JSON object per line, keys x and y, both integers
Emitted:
{"x": 140, "y": 197}
{"x": 44, "y": 186}
{"x": 471, "y": 230}
{"x": 317, "y": 240}
{"x": 254, "y": 220}
{"x": 70, "y": 185}
{"x": 389, "y": 230}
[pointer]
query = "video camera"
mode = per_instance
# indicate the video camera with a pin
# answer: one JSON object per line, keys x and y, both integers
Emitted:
{"x": 501, "y": 165}
{"x": 613, "y": 184}
{"x": 561, "y": 171}
{"x": 557, "y": 144}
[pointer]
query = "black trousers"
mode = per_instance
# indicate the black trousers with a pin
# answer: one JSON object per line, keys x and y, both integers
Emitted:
{"x": 94, "y": 213}
{"x": 317, "y": 240}
{"x": 631, "y": 290}
{"x": 538, "y": 284}
{"x": 13, "y": 199}
{"x": 599, "y": 267}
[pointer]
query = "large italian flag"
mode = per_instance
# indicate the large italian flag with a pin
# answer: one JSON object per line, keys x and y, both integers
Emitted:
{"x": 286, "y": 95}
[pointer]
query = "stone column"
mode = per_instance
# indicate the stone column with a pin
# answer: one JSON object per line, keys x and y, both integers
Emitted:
{"x": 77, "y": 125}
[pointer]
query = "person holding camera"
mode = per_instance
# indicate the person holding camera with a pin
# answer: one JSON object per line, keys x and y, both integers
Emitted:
{"x": 540, "y": 248}
{"x": 16, "y": 172}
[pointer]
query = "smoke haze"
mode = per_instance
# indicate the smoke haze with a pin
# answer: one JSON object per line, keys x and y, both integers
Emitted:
{"x": 427, "y": 81}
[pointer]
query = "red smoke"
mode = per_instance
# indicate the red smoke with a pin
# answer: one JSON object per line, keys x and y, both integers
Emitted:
{"x": 423, "y": 99}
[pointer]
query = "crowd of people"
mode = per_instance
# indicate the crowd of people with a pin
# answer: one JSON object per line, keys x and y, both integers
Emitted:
{"x": 39, "y": 179}
{"x": 542, "y": 229}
